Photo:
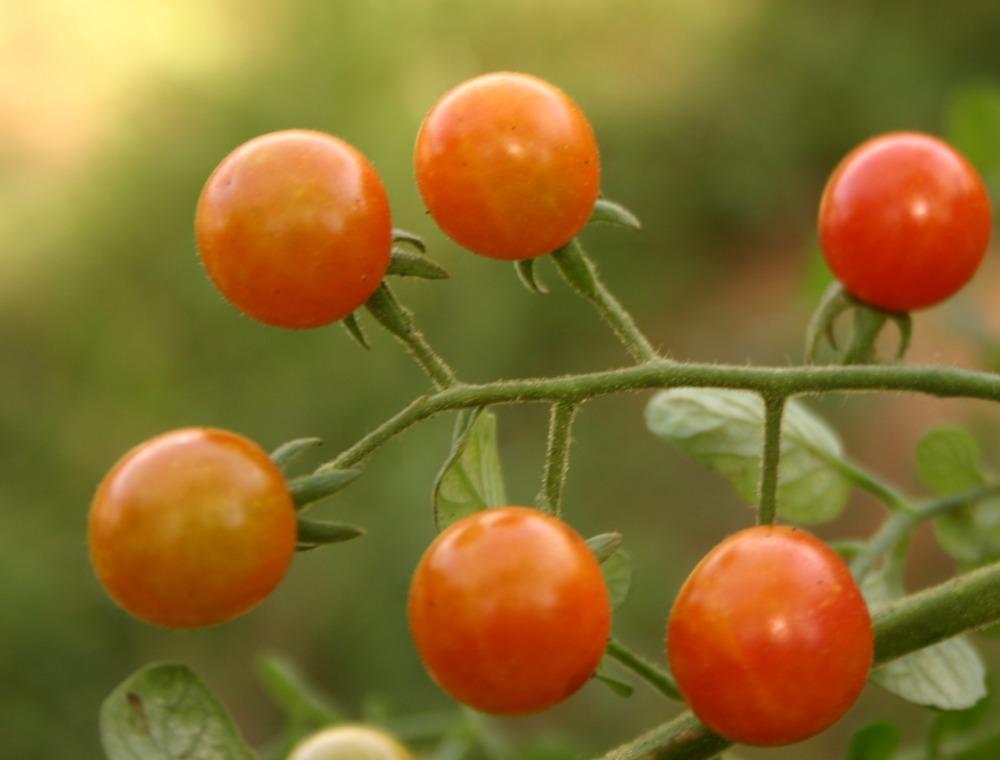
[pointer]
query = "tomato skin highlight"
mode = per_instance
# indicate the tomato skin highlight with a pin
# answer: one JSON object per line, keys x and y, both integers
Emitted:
{"x": 294, "y": 228}
{"x": 770, "y": 639}
{"x": 904, "y": 221}
{"x": 192, "y": 528}
{"x": 509, "y": 611}
{"x": 508, "y": 166}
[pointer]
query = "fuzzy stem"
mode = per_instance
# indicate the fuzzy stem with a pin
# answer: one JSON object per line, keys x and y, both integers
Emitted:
{"x": 557, "y": 456}
{"x": 767, "y": 505}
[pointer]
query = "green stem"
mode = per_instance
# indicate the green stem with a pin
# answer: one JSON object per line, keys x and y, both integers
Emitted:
{"x": 945, "y": 382}
{"x": 581, "y": 273}
{"x": 962, "y": 604}
{"x": 398, "y": 320}
{"x": 767, "y": 505}
{"x": 900, "y": 524}
{"x": 659, "y": 679}
{"x": 557, "y": 456}
{"x": 894, "y": 499}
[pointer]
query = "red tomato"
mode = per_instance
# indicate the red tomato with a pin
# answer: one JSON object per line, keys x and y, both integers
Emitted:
{"x": 294, "y": 229}
{"x": 192, "y": 528}
{"x": 770, "y": 639}
{"x": 904, "y": 221}
{"x": 508, "y": 166}
{"x": 509, "y": 611}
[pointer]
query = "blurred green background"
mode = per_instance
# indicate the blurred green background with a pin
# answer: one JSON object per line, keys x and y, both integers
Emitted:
{"x": 718, "y": 123}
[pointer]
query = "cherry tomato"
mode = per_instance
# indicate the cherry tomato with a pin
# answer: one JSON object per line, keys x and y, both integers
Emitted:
{"x": 192, "y": 528}
{"x": 349, "y": 743}
{"x": 508, "y": 166}
{"x": 904, "y": 221}
{"x": 770, "y": 639}
{"x": 509, "y": 611}
{"x": 294, "y": 229}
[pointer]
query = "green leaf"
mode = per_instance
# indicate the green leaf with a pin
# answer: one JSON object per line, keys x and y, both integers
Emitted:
{"x": 288, "y": 689}
{"x": 288, "y": 452}
{"x": 471, "y": 479}
{"x": 525, "y": 269}
{"x": 312, "y": 488}
{"x": 402, "y": 237}
{"x": 164, "y": 712}
{"x": 876, "y": 741}
{"x": 604, "y": 545}
{"x": 724, "y": 429}
{"x": 313, "y": 533}
{"x": 949, "y": 675}
{"x": 620, "y": 688}
{"x": 353, "y": 327}
{"x": 407, "y": 263}
{"x": 948, "y": 460}
{"x": 617, "y": 571}
{"x": 973, "y": 127}
{"x": 609, "y": 212}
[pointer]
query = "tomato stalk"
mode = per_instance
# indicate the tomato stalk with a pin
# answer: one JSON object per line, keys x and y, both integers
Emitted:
{"x": 659, "y": 679}
{"x": 557, "y": 456}
{"x": 774, "y": 408}
{"x": 581, "y": 274}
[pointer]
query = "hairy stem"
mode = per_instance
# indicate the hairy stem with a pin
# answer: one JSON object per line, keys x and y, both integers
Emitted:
{"x": 887, "y": 493}
{"x": 398, "y": 320}
{"x": 786, "y": 381}
{"x": 579, "y": 271}
{"x": 659, "y": 679}
{"x": 767, "y": 505}
{"x": 900, "y": 524}
{"x": 962, "y": 604}
{"x": 557, "y": 456}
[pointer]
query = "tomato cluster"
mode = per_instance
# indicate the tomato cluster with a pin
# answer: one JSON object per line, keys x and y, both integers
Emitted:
{"x": 769, "y": 638}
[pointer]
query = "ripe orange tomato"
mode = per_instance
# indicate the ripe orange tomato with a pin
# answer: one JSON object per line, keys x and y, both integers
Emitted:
{"x": 293, "y": 227}
{"x": 509, "y": 611}
{"x": 904, "y": 221}
{"x": 770, "y": 639}
{"x": 508, "y": 166}
{"x": 192, "y": 528}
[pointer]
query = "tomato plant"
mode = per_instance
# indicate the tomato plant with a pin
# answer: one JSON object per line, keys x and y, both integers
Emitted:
{"x": 904, "y": 221}
{"x": 293, "y": 227}
{"x": 350, "y": 743}
{"x": 509, "y": 611}
{"x": 508, "y": 166}
{"x": 192, "y": 528}
{"x": 770, "y": 639}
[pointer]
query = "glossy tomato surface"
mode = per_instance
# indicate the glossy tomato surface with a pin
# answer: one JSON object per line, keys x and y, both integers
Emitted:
{"x": 294, "y": 229}
{"x": 904, "y": 221}
{"x": 192, "y": 528}
{"x": 508, "y": 166}
{"x": 509, "y": 611}
{"x": 770, "y": 639}
{"x": 349, "y": 743}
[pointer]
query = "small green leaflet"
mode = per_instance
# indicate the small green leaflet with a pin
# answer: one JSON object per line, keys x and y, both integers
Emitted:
{"x": 876, "y": 741}
{"x": 724, "y": 429}
{"x": 164, "y": 712}
{"x": 617, "y": 571}
{"x": 619, "y": 687}
{"x": 973, "y": 123}
{"x": 948, "y": 460}
{"x": 471, "y": 479}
